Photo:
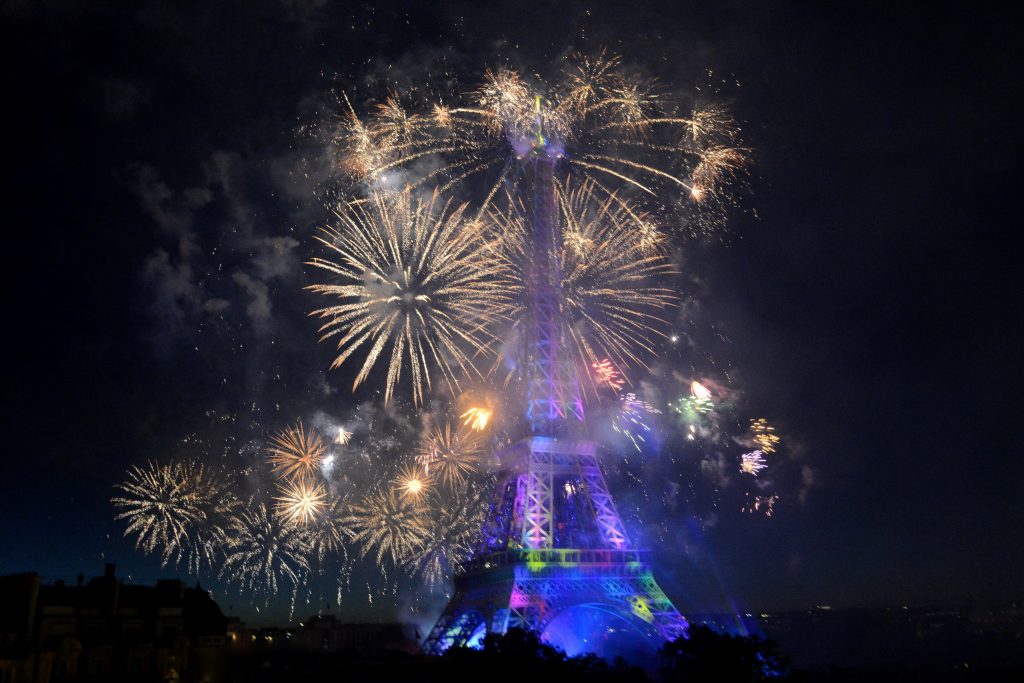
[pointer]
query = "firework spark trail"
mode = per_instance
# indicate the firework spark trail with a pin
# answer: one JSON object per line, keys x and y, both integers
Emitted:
{"x": 600, "y": 118}
{"x": 630, "y": 416}
{"x": 451, "y": 453}
{"x": 414, "y": 276}
{"x": 263, "y": 550}
{"x": 179, "y": 508}
{"x": 605, "y": 373}
{"x": 387, "y": 525}
{"x": 296, "y": 453}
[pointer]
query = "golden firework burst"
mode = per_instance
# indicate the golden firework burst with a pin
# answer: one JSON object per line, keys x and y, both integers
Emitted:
{"x": 295, "y": 453}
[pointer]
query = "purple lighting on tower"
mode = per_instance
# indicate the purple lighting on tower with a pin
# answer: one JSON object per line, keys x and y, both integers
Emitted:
{"x": 555, "y": 556}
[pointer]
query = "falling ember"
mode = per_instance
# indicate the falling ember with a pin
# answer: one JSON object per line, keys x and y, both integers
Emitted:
{"x": 764, "y": 435}
{"x": 477, "y": 418}
{"x": 605, "y": 373}
{"x": 762, "y": 504}
{"x": 752, "y": 462}
{"x": 343, "y": 437}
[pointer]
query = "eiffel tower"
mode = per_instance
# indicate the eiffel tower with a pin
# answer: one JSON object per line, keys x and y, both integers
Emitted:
{"x": 555, "y": 557}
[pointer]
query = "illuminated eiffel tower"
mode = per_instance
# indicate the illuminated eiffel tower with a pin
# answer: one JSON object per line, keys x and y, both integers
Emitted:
{"x": 555, "y": 557}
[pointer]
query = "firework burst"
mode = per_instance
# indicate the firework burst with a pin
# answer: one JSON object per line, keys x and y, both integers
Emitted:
{"x": 605, "y": 373}
{"x": 764, "y": 435}
{"x": 452, "y": 453}
{"x": 612, "y": 289}
{"x": 752, "y": 462}
{"x": 330, "y": 533}
{"x": 264, "y": 549}
{"x": 606, "y": 124}
{"x": 631, "y": 419}
{"x": 343, "y": 437}
{"x": 699, "y": 391}
{"x": 301, "y": 502}
{"x": 178, "y": 508}
{"x": 453, "y": 527}
{"x": 413, "y": 282}
{"x": 296, "y": 453}
{"x": 477, "y": 418}
{"x": 413, "y": 482}
{"x": 387, "y": 525}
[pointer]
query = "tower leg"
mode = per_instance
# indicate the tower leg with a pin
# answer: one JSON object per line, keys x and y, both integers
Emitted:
{"x": 538, "y": 587}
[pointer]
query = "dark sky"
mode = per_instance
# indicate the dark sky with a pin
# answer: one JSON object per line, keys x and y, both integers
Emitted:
{"x": 163, "y": 172}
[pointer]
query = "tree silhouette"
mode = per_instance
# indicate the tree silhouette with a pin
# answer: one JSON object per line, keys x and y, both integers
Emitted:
{"x": 522, "y": 654}
{"x": 707, "y": 655}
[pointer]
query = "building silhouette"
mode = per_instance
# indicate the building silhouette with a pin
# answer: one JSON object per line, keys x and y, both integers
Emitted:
{"x": 103, "y": 629}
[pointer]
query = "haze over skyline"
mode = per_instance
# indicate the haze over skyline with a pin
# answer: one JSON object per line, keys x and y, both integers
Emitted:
{"x": 166, "y": 184}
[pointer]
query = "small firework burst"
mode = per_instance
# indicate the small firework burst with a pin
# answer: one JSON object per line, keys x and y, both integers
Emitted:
{"x": 692, "y": 409}
{"x": 699, "y": 391}
{"x": 477, "y": 418}
{"x": 342, "y": 437}
{"x": 179, "y": 508}
{"x": 301, "y": 501}
{"x": 263, "y": 549}
{"x": 764, "y": 435}
{"x": 387, "y": 525}
{"x": 295, "y": 453}
{"x": 752, "y": 462}
{"x": 413, "y": 482}
{"x": 451, "y": 453}
{"x": 453, "y": 526}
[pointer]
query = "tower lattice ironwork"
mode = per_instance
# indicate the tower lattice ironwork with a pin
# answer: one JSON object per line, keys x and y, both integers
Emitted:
{"x": 554, "y": 543}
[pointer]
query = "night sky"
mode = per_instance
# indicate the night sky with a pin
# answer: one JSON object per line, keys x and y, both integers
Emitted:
{"x": 165, "y": 171}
